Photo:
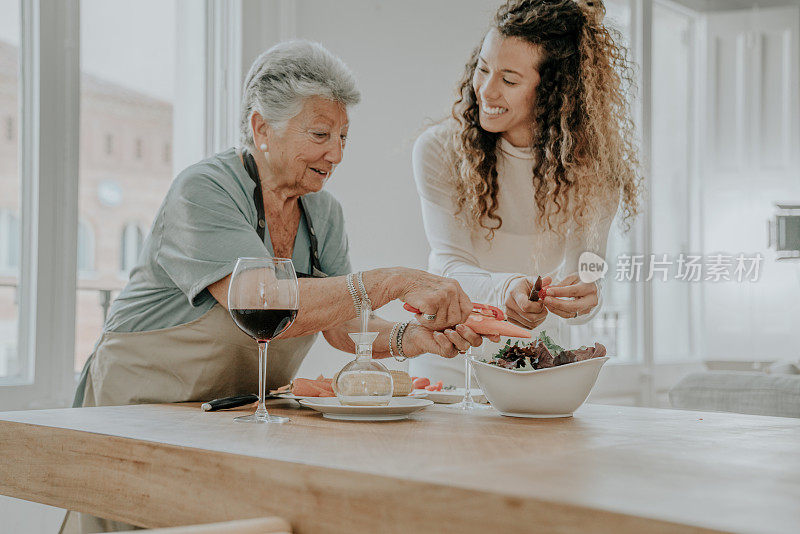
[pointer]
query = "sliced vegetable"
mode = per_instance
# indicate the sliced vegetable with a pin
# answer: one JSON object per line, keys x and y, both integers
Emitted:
{"x": 421, "y": 383}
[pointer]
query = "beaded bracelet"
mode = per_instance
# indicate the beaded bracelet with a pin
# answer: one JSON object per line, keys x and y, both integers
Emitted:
{"x": 400, "y": 331}
{"x": 363, "y": 293}
{"x": 351, "y": 288}
{"x": 392, "y": 336}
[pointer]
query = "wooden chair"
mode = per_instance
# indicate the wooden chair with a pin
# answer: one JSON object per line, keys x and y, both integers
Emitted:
{"x": 260, "y": 525}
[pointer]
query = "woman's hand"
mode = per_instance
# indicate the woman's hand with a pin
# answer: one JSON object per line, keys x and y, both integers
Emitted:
{"x": 584, "y": 297}
{"x": 420, "y": 340}
{"x": 520, "y": 309}
{"x": 433, "y": 295}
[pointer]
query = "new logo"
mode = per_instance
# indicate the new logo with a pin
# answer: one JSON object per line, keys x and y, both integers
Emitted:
{"x": 591, "y": 267}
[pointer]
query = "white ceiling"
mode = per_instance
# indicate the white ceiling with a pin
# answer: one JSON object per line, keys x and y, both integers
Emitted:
{"x": 728, "y": 5}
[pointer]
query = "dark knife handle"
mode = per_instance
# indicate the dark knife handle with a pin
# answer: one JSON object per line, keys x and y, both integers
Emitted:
{"x": 537, "y": 287}
{"x": 229, "y": 402}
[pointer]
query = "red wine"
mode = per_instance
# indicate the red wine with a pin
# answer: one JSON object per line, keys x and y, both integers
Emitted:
{"x": 263, "y": 325}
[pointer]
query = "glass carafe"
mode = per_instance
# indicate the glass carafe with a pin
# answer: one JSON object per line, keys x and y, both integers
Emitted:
{"x": 364, "y": 381}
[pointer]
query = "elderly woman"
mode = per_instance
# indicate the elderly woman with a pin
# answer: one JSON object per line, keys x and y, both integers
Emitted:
{"x": 169, "y": 338}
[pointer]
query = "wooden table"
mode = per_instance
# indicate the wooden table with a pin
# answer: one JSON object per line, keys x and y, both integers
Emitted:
{"x": 608, "y": 469}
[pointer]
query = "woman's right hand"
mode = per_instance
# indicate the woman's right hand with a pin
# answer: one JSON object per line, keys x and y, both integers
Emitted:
{"x": 434, "y": 295}
{"x": 449, "y": 344}
{"x": 520, "y": 309}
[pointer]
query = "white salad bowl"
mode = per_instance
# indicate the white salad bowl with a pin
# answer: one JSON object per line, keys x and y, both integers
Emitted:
{"x": 552, "y": 392}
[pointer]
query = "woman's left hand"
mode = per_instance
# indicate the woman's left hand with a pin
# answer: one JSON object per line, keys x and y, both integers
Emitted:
{"x": 581, "y": 297}
{"x": 450, "y": 343}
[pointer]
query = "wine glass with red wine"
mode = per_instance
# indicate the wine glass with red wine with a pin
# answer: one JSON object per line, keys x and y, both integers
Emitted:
{"x": 263, "y": 299}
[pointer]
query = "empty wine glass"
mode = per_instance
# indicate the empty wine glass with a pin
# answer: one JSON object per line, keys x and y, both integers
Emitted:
{"x": 263, "y": 300}
{"x": 471, "y": 283}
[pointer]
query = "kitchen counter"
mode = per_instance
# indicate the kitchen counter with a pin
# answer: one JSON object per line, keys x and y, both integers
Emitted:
{"x": 607, "y": 469}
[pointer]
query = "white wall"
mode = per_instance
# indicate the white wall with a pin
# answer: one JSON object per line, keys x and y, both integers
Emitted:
{"x": 407, "y": 57}
{"x": 725, "y": 5}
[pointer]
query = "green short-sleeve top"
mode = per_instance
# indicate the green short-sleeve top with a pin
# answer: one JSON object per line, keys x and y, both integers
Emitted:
{"x": 208, "y": 220}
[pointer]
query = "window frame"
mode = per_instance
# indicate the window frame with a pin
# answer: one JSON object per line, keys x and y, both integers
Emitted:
{"x": 223, "y": 72}
{"x": 49, "y": 143}
{"x": 645, "y": 381}
{"x": 48, "y": 156}
{"x": 8, "y": 220}
{"x": 86, "y": 265}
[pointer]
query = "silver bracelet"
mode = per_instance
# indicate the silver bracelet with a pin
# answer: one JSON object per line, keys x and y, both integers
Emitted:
{"x": 392, "y": 336}
{"x": 351, "y": 288}
{"x": 400, "y": 331}
{"x": 363, "y": 293}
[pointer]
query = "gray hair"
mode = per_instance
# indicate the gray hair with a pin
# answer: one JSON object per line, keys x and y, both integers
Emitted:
{"x": 281, "y": 78}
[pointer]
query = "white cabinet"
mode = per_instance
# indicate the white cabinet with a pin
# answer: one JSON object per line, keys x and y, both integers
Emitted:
{"x": 752, "y": 91}
{"x": 749, "y": 160}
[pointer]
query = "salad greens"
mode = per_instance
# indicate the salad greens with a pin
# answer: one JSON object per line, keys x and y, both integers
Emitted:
{"x": 506, "y": 349}
{"x": 541, "y": 353}
{"x": 551, "y": 346}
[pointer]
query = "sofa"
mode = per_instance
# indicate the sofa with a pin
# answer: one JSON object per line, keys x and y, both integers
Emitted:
{"x": 774, "y": 391}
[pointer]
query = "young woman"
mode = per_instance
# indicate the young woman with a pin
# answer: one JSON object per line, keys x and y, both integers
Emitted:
{"x": 538, "y": 156}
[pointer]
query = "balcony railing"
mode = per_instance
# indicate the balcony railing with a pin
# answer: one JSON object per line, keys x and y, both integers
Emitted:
{"x": 104, "y": 295}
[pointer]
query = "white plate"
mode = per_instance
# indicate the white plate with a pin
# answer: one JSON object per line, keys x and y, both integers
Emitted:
{"x": 451, "y": 396}
{"x": 398, "y": 408}
{"x": 414, "y": 394}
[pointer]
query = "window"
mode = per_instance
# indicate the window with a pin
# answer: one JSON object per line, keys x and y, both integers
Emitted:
{"x": 11, "y": 362}
{"x": 9, "y": 242}
{"x": 671, "y": 179}
{"x": 129, "y": 77}
{"x": 85, "y": 248}
{"x": 615, "y": 324}
{"x": 9, "y": 267}
{"x": 130, "y": 247}
{"x": 44, "y": 120}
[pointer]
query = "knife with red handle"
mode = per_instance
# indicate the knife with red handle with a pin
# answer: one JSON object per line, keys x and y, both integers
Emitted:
{"x": 538, "y": 292}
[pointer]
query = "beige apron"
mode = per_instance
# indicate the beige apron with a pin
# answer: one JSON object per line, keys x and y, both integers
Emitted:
{"x": 201, "y": 360}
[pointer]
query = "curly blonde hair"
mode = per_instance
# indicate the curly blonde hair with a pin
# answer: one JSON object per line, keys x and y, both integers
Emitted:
{"x": 585, "y": 157}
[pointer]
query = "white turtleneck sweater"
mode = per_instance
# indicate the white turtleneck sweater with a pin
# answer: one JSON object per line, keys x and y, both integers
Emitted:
{"x": 519, "y": 248}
